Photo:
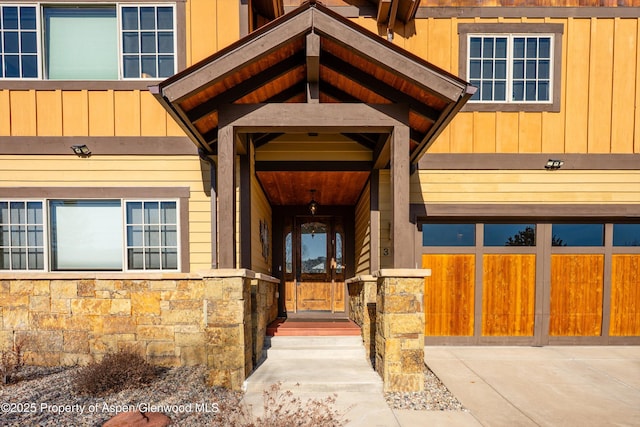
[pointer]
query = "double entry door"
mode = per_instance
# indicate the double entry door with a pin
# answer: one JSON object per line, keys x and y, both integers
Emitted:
{"x": 314, "y": 269}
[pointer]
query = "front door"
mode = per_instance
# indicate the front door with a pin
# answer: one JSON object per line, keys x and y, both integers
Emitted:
{"x": 315, "y": 249}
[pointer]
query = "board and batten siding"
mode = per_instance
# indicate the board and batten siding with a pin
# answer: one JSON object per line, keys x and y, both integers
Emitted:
{"x": 260, "y": 211}
{"x": 569, "y": 186}
{"x": 123, "y": 171}
{"x": 599, "y": 90}
{"x": 363, "y": 233}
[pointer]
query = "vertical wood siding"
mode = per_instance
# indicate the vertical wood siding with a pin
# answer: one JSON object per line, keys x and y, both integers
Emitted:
{"x": 576, "y": 295}
{"x": 123, "y": 171}
{"x": 363, "y": 233}
{"x": 449, "y": 294}
{"x": 261, "y": 211}
{"x": 625, "y": 295}
{"x": 508, "y": 295}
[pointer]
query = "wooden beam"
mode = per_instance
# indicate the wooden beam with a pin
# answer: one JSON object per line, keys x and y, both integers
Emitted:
{"x": 246, "y": 87}
{"x": 401, "y": 230}
{"x": 311, "y": 166}
{"x": 226, "y": 198}
{"x": 382, "y": 153}
{"x": 245, "y": 206}
{"x": 219, "y": 67}
{"x": 393, "y": 13}
{"x": 313, "y": 67}
{"x": 390, "y": 57}
{"x": 373, "y": 84}
{"x": 304, "y": 118}
{"x": 374, "y": 218}
{"x": 383, "y": 11}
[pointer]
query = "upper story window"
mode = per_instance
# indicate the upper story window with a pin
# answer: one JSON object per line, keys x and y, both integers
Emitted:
{"x": 88, "y": 42}
{"x": 516, "y": 67}
{"x": 510, "y": 68}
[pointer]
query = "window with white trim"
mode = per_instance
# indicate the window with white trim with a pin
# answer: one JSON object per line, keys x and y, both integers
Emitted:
{"x": 511, "y": 67}
{"x": 89, "y": 235}
{"x": 97, "y": 41}
{"x": 21, "y": 235}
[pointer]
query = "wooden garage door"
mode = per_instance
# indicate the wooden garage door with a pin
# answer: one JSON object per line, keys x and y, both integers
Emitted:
{"x": 449, "y": 294}
{"x": 625, "y": 295}
{"x": 576, "y": 295}
{"x": 508, "y": 295}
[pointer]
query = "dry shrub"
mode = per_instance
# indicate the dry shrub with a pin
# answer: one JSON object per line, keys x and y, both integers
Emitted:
{"x": 115, "y": 372}
{"x": 283, "y": 409}
{"x": 11, "y": 361}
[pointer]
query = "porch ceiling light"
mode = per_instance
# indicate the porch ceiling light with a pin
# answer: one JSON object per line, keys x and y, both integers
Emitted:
{"x": 313, "y": 205}
{"x": 553, "y": 164}
{"x": 81, "y": 150}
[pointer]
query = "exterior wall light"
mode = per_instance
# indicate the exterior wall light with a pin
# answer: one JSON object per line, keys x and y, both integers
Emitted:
{"x": 81, "y": 150}
{"x": 553, "y": 164}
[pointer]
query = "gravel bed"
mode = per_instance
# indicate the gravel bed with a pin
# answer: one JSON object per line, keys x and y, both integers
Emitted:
{"x": 45, "y": 397}
{"x": 435, "y": 397}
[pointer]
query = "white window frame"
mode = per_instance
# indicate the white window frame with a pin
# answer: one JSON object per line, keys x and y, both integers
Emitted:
{"x": 509, "y": 66}
{"x": 38, "y": 42}
{"x": 40, "y": 6}
{"x": 45, "y": 240}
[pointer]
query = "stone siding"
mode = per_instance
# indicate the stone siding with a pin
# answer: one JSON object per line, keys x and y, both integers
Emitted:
{"x": 208, "y": 320}
{"x": 399, "y": 342}
{"x": 362, "y": 310}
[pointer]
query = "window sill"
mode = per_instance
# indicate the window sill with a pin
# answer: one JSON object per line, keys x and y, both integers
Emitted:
{"x": 98, "y": 275}
{"x": 78, "y": 84}
{"x": 512, "y": 107}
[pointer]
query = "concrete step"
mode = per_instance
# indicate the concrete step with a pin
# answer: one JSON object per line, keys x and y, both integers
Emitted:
{"x": 293, "y": 348}
{"x": 315, "y": 375}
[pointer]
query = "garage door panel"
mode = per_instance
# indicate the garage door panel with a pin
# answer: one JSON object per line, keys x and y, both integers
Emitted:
{"x": 625, "y": 295}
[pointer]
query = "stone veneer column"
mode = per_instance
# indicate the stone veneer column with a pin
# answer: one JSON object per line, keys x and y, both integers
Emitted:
{"x": 229, "y": 344}
{"x": 362, "y": 309}
{"x": 400, "y": 328}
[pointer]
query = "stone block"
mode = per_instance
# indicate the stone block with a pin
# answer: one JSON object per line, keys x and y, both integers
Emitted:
{"x": 155, "y": 332}
{"x": 61, "y": 306}
{"x": 75, "y": 359}
{"x": 47, "y": 321}
{"x": 224, "y": 336}
{"x": 86, "y": 289}
{"x": 118, "y": 325}
{"x": 213, "y": 290}
{"x": 103, "y": 294}
{"x": 165, "y": 361}
{"x": 42, "y": 358}
{"x": 187, "y": 329}
{"x": 5, "y": 286}
{"x": 15, "y": 318}
{"x": 93, "y": 306}
{"x": 107, "y": 285}
{"x": 136, "y": 347}
{"x": 219, "y": 378}
{"x": 162, "y": 285}
{"x": 45, "y": 341}
{"x": 226, "y": 312}
{"x": 103, "y": 344}
{"x": 174, "y": 317}
{"x": 190, "y": 339}
{"x": 188, "y": 294}
{"x": 404, "y": 324}
{"x": 412, "y": 361}
{"x": 21, "y": 287}
{"x": 401, "y": 303}
{"x": 161, "y": 348}
{"x": 41, "y": 287}
{"x": 40, "y": 303}
{"x": 149, "y": 319}
{"x": 63, "y": 289}
{"x": 193, "y": 356}
{"x": 14, "y": 300}
{"x": 404, "y": 383}
{"x": 185, "y": 305}
{"x": 145, "y": 302}
{"x": 121, "y": 307}
{"x": 75, "y": 342}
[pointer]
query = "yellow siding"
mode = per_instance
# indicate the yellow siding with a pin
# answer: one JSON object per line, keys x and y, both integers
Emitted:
{"x": 75, "y": 113}
{"x": 122, "y": 171}
{"x": 624, "y": 82}
{"x": 5, "y": 113}
{"x": 385, "y": 218}
{"x": 577, "y": 87}
{"x": 363, "y": 233}
{"x": 260, "y": 212}
{"x": 49, "y": 112}
{"x": 101, "y": 113}
{"x": 525, "y": 187}
{"x": 23, "y": 112}
{"x": 600, "y": 84}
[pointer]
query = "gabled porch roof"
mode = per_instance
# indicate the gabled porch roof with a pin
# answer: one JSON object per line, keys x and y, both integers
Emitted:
{"x": 313, "y": 55}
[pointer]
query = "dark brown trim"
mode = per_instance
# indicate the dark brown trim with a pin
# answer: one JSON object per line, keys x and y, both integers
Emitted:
{"x": 491, "y": 28}
{"x": 401, "y": 230}
{"x": 528, "y": 12}
{"x": 308, "y": 166}
{"x": 245, "y": 207}
{"x": 140, "y": 84}
{"x": 99, "y": 145}
{"x": 226, "y": 198}
{"x": 374, "y": 218}
{"x": 540, "y": 212}
{"x": 503, "y": 161}
{"x": 95, "y": 192}
{"x": 185, "y": 250}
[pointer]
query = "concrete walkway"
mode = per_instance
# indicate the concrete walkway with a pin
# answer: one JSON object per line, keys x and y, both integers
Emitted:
{"x": 499, "y": 386}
